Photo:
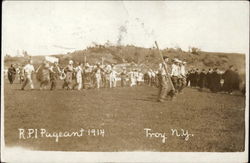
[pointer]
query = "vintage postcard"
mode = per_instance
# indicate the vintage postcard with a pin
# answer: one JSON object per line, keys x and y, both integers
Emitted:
{"x": 125, "y": 81}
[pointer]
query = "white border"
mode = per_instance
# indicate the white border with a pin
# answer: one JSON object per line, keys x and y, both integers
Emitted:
{"x": 24, "y": 155}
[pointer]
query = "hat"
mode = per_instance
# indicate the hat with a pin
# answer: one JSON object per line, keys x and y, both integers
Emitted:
{"x": 165, "y": 57}
{"x": 71, "y": 62}
{"x": 87, "y": 65}
{"x": 175, "y": 60}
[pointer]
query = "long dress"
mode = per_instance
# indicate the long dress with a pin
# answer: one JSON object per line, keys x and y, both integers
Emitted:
{"x": 202, "y": 80}
{"x": 215, "y": 84}
{"x": 228, "y": 77}
{"x": 11, "y": 74}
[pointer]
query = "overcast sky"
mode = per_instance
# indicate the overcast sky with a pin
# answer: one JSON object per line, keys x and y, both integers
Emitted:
{"x": 43, "y": 28}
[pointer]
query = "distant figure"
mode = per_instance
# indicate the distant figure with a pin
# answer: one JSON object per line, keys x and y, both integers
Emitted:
{"x": 182, "y": 78}
{"x": 113, "y": 79}
{"x": 28, "y": 71}
{"x": 69, "y": 76}
{"x": 209, "y": 79}
{"x": 196, "y": 78}
{"x": 108, "y": 70}
{"x": 192, "y": 78}
{"x": 175, "y": 73}
{"x": 236, "y": 83}
{"x": 87, "y": 76}
{"x": 98, "y": 75}
{"x": 11, "y": 74}
{"x": 202, "y": 79}
{"x": 215, "y": 85}
{"x": 229, "y": 79}
{"x": 54, "y": 75}
{"x": 43, "y": 75}
{"x": 123, "y": 77}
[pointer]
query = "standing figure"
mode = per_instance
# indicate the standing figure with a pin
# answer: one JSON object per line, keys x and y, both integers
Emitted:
{"x": 229, "y": 79}
{"x": 209, "y": 79}
{"x": 165, "y": 88}
{"x": 43, "y": 75}
{"x": 196, "y": 77}
{"x": 69, "y": 75}
{"x": 236, "y": 83}
{"x": 202, "y": 79}
{"x": 108, "y": 71}
{"x": 175, "y": 74}
{"x": 54, "y": 75}
{"x": 28, "y": 71}
{"x": 11, "y": 74}
{"x": 182, "y": 79}
{"x": 87, "y": 76}
{"x": 78, "y": 76}
{"x": 149, "y": 77}
{"x": 132, "y": 78}
{"x": 113, "y": 78}
{"x": 153, "y": 75}
{"x": 123, "y": 77}
{"x": 215, "y": 85}
{"x": 98, "y": 75}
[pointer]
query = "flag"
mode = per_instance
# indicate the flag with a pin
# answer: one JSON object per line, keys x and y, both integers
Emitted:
{"x": 51, "y": 59}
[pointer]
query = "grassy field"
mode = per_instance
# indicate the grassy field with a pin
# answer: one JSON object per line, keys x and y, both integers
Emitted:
{"x": 215, "y": 120}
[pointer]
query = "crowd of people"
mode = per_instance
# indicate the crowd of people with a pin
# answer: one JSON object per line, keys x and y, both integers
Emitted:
{"x": 170, "y": 79}
{"x": 75, "y": 76}
{"x": 176, "y": 75}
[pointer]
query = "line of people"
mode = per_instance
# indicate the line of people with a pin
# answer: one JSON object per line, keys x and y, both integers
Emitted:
{"x": 176, "y": 75}
{"x": 77, "y": 77}
{"x": 105, "y": 76}
{"x": 215, "y": 80}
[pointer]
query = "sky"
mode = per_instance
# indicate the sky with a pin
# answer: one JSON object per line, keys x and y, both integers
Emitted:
{"x": 57, "y": 27}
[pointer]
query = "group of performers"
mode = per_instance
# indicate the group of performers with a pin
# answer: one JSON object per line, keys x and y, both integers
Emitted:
{"x": 76, "y": 76}
{"x": 170, "y": 79}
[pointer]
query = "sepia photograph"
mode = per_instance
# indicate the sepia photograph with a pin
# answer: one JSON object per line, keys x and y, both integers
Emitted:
{"x": 125, "y": 81}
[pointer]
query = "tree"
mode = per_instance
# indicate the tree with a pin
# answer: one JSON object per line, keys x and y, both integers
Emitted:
{"x": 195, "y": 50}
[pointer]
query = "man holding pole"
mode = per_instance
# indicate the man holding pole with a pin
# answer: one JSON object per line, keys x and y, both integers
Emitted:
{"x": 165, "y": 87}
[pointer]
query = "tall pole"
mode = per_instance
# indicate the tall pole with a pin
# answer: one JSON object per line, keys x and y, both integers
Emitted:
{"x": 164, "y": 65}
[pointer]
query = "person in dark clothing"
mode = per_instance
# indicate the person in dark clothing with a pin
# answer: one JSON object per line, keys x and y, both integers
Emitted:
{"x": 123, "y": 77}
{"x": 236, "y": 80}
{"x": 209, "y": 78}
{"x": 11, "y": 74}
{"x": 192, "y": 78}
{"x": 196, "y": 78}
{"x": 54, "y": 75}
{"x": 188, "y": 78}
{"x": 229, "y": 80}
{"x": 215, "y": 84}
{"x": 202, "y": 79}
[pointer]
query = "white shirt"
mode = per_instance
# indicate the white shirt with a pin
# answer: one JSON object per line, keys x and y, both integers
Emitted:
{"x": 183, "y": 71}
{"x": 161, "y": 69}
{"x": 175, "y": 70}
{"x": 29, "y": 69}
{"x": 79, "y": 71}
{"x": 113, "y": 74}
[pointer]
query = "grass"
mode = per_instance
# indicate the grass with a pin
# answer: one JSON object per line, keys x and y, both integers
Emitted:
{"x": 216, "y": 120}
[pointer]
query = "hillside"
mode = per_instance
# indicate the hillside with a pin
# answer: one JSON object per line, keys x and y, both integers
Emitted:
{"x": 144, "y": 56}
